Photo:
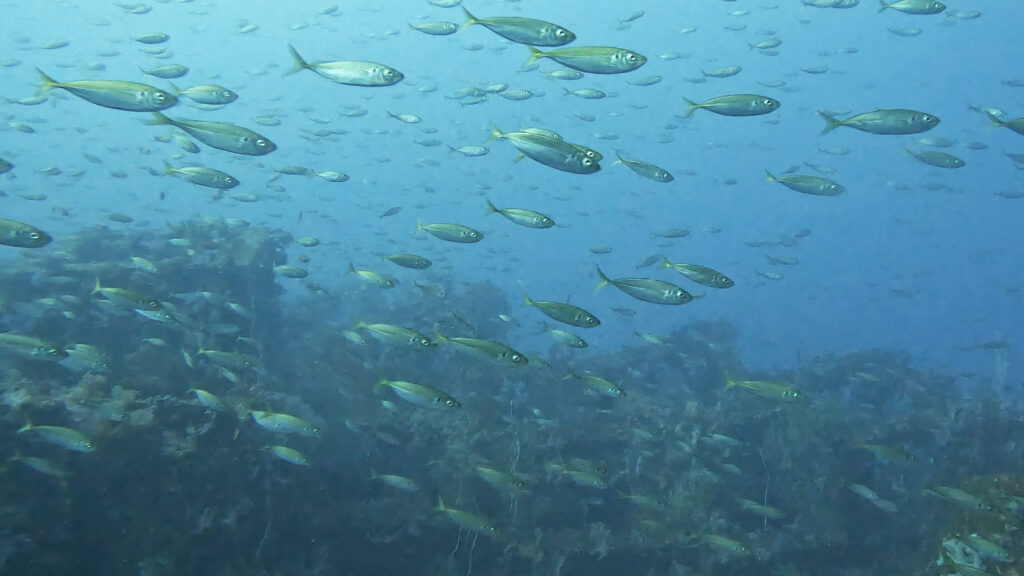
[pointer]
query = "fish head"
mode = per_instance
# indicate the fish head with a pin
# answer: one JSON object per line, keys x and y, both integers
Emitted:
{"x": 386, "y": 76}
{"x": 628, "y": 60}
{"x": 768, "y": 104}
{"x": 588, "y": 320}
{"x": 256, "y": 146}
{"x": 450, "y": 402}
{"x": 925, "y": 119}
{"x": 471, "y": 235}
{"x": 156, "y": 99}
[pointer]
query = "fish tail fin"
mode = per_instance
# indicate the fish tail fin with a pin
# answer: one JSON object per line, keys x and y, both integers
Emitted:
{"x": 27, "y": 427}
{"x": 440, "y": 504}
{"x": 96, "y": 287}
{"x": 470, "y": 19}
{"x": 770, "y": 177}
{"x": 730, "y": 383}
{"x": 438, "y": 335}
{"x": 175, "y": 90}
{"x": 996, "y": 122}
{"x": 419, "y": 226}
{"x": 535, "y": 55}
{"x": 527, "y": 301}
{"x": 299, "y": 64}
{"x": 373, "y": 474}
{"x": 491, "y": 208}
{"x": 48, "y": 83}
{"x": 160, "y": 119}
{"x": 605, "y": 280}
{"x": 168, "y": 169}
{"x": 351, "y": 268}
{"x": 883, "y": 5}
{"x": 567, "y": 91}
{"x": 496, "y": 133}
{"x": 691, "y": 107}
{"x": 665, "y": 263}
{"x": 832, "y": 122}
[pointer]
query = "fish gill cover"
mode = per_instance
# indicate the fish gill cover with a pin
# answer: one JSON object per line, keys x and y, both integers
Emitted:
{"x": 543, "y": 288}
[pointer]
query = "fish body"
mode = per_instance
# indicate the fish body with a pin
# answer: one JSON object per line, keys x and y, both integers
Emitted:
{"x": 203, "y": 176}
{"x": 31, "y": 347}
{"x": 735, "y": 105}
{"x": 771, "y": 390}
{"x": 220, "y": 135}
{"x": 917, "y": 7}
{"x": 208, "y": 400}
{"x": 550, "y": 151}
{"x": 372, "y": 277}
{"x": 700, "y": 274}
{"x": 66, "y": 438}
{"x": 489, "y": 350}
{"x": 391, "y": 334}
{"x": 395, "y": 481}
{"x": 592, "y": 59}
{"x": 987, "y": 549}
{"x": 114, "y": 94}
{"x": 230, "y": 360}
{"x": 527, "y": 31}
{"x": 466, "y": 520}
{"x": 647, "y": 289}
{"x": 170, "y": 71}
{"x": 723, "y": 544}
{"x": 413, "y": 261}
{"x": 212, "y": 94}
{"x": 451, "y": 232}
{"x": 813, "y": 185}
{"x": 599, "y": 385}
{"x": 563, "y": 312}
{"x": 501, "y": 480}
{"x": 649, "y": 171}
{"x": 936, "y": 158}
{"x": 891, "y": 122}
{"x": 290, "y": 455}
{"x": 1017, "y": 125}
{"x": 420, "y": 395}
{"x": 761, "y": 509}
{"x": 128, "y": 298}
{"x": 436, "y": 28}
{"x": 22, "y": 235}
{"x": 351, "y": 73}
{"x": 527, "y": 218}
{"x": 277, "y": 422}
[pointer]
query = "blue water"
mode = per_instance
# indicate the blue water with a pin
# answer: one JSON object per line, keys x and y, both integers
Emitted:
{"x": 910, "y": 259}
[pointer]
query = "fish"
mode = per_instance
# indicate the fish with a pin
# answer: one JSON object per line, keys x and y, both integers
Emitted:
{"x": 549, "y": 151}
{"x": 700, "y": 274}
{"x": 414, "y": 261}
{"x": 152, "y": 38}
{"x": 5, "y": 166}
{"x": 22, "y": 235}
{"x": 504, "y": 481}
{"x": 372, "y": 277}
{"x": 527, "y": 31}
{"x": 31, "y": 347}
{"x": 725, "y": 72}
{"x": 1017, "y": 124}
{"x": 735, "y": 105}
{"x": 468, "y": 521}
{"x": 568, "y": 338}
{"x": 598, "y": 384}
{"x": 285, "y": 423}
{"x": 563, "y": 312}
{"x": 208, "y": 400}
{"x": 400, "y": 482}
{"x": 419, "y": 394}
{"x": 723, "y": 544}
{"x": 649, "y": 171}
{"x": 936, "y": 158}
{"x": 167, "y": 72}
{"x": 291, "y": 271}
{"x": 436, "y": 28}
{"x": 586, "y": 93}
{"x": 66, "y": 438}
{"x": 919, "y": 7}
{"x": 212, "y": 94}
{"x": 592, "y": 59}
{"x": 527, "y": 218}
{"x": 86, "y": 357}
{"x": 351, "y": 73}
{"x": 230, "y": 360}
{"x": 770, "y": 390}
{"x": 290, "y": 455}
{"x": 987, "y": 549}
{"x": 494, "y": 352}
{"x": 220, "y": 135}
{"x": 128, "y": 298}
{"x": 813, "y": 185}
{"x": 647, "y": 289}
{"x": 391, "y": 334}
{"x": 203, "y": 176}
{"x": 114, "y": 94}
{"x": 761, "y": 509}
{"x": 451, "y": 232}
{"x": 895, "y": 121}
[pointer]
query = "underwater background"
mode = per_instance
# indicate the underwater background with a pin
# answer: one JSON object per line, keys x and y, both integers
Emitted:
{"x": 318, "y": 293}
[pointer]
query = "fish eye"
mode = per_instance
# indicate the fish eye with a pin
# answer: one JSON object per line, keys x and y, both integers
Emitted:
{"x": 34, "y": 235}
{"x": 153, "y": 304}
{"x": 560, "y": 32}
{"x": 159, "y": 96}
{"x": 516, "y": 358}
{"x": 225, "y": 94}
{"x": 449, "y": 403}
{"x": 631, "y": 57}
{"x": 587, "y": 162}
{"x": 260, "y": 142}
{"x": 389, "y": 73}
{"x": 926, "y": 117}
{"x": 423, "y": 342}
{"x": 766, "y": 102}
{"x": 53, "y": 352}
